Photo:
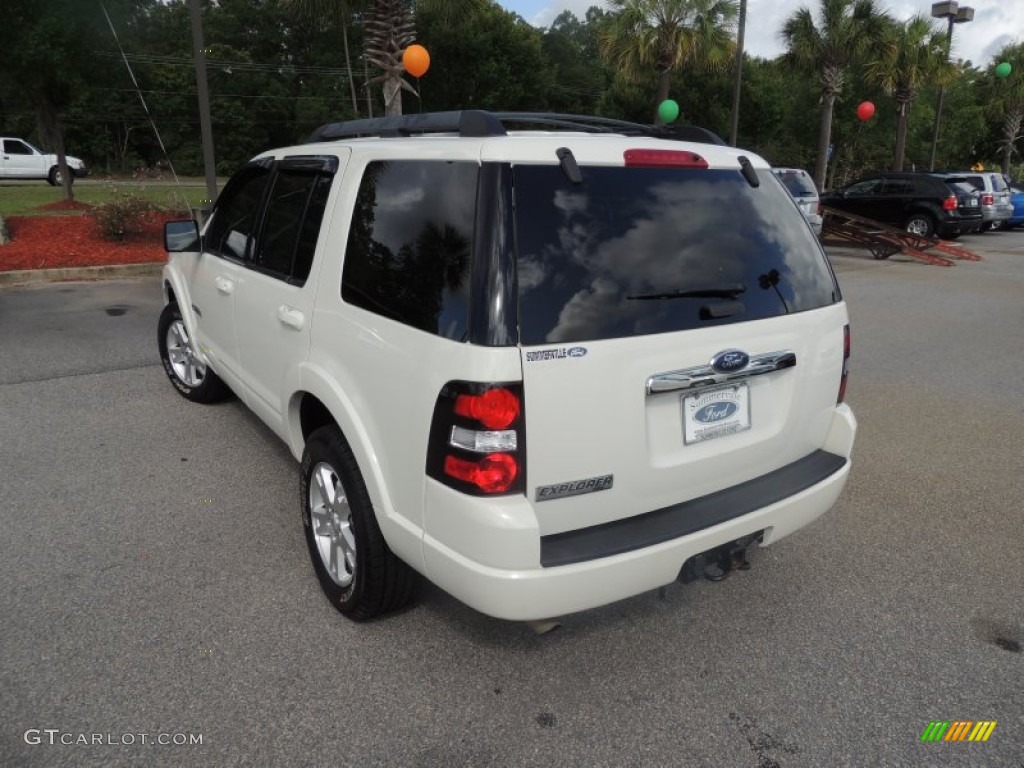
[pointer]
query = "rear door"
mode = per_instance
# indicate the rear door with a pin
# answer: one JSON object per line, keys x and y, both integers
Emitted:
{"x": 633, "y": 285}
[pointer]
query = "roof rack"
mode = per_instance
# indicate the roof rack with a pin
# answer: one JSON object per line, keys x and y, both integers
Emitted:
{"x": 478, "y": 123}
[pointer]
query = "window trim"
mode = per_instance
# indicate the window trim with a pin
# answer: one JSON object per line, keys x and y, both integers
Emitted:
{"x": 315, "y": 166}
{"x": 234, "y": 182}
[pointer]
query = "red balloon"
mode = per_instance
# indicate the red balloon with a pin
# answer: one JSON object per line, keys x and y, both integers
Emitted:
{"x": 416, "y": 60}
{"x": 865, "y": 111}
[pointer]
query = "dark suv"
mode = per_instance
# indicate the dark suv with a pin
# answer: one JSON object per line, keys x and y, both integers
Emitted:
{"x": 921, "y": 203}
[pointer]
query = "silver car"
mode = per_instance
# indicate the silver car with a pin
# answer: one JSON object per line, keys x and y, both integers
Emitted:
{"x": 801, "y": 186}
{"x": 996, "y": 200}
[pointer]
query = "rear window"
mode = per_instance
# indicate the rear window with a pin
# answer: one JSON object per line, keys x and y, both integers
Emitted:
{"x": 798, "y": 183}
{"x": 612, "y": 256}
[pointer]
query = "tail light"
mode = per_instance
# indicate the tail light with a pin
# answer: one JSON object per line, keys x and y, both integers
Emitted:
{"x": 950, "y": 203}
{"x": 477, "y": 438}
{"x": 987, "y": 199}
{"x": 846, "y": 365}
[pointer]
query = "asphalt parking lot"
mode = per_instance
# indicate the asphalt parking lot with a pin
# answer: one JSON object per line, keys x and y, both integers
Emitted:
{"x": 156, "y": 581}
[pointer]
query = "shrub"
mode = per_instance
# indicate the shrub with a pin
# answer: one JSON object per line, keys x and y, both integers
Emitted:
{"x": 121, "y": 215}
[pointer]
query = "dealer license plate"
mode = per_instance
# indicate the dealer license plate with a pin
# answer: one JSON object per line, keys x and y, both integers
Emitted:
{"x": 716, "y": 413}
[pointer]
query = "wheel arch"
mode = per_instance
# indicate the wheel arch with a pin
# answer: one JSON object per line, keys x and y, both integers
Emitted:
{"x": 175, "y": 289}
{"x": 320, "y": 402}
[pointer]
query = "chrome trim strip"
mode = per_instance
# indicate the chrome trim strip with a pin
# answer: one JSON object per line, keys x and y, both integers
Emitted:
{"x": 705, "y": 376}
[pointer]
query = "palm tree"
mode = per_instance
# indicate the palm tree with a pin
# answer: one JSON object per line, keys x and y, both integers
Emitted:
{"x": 910, "y": 54}
{"x": 1009, "y": 101}
{"x": 390, "y": 28}
{"x": 666, "y": 35}
{"x": 844, "y": 30}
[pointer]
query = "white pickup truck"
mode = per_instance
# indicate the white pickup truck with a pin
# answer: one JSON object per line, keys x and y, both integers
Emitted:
{"x": 20, "y": 160}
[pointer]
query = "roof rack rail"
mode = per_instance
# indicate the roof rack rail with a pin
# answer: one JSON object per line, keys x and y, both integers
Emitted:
{"x": 479, "y": 123}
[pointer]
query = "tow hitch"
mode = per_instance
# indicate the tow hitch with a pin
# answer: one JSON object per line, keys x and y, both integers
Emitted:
{"x": 716, "y": 564}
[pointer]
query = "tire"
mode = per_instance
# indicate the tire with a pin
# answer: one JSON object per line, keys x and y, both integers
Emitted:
{"x": 357, "y": 571}
{"x": 920, "y": 224}
{"x": 53, "y": 178}
{"x": 191, "y": 378}
{"x": 985, "y": 227}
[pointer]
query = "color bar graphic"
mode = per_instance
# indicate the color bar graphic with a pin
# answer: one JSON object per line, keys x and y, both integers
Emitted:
{"x": 958, "y": 730}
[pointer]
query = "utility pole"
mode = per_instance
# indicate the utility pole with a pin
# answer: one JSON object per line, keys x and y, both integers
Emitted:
{"x": 203, "y": 92}
{"x": 738, "y": 80}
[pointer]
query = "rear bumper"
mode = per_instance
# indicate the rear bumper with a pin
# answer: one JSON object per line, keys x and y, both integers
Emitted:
{"x": 596, "y": 566}
{"x": 959, "y": 226}
{"x": 996, "y": 213}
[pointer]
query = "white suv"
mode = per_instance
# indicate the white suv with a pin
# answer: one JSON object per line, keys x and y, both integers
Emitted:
{"x": 547, "y": 369}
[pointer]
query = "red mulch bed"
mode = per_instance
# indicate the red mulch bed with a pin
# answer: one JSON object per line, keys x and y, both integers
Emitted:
{"x": 45, "y": 242}
{"x": 64, "y": 205}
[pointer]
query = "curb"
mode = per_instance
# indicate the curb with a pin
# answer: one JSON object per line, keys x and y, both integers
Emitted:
{"x": 106, "y": 272}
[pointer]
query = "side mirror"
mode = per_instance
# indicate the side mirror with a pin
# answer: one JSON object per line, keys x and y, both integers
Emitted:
{"x": 181, "y": 236}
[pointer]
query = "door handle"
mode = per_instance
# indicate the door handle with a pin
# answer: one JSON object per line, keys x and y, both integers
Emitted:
{"x": 291, "y": 317}
{"x": 224, "y": 285}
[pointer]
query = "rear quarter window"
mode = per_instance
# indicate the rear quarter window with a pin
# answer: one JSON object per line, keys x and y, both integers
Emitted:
{"x": 410, "y": 244}
{"x": 594, "y": 257}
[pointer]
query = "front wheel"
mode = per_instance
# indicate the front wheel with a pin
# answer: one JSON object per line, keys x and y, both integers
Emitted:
{"x": 188, "y": 375}
{"x": 357, "y": 571}
{"x": 920, "y": 224}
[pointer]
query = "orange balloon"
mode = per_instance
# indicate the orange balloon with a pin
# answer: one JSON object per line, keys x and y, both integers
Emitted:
{"x": 416, "y": 60}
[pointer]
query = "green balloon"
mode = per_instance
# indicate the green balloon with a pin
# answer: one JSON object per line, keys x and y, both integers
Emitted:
{"x": 1004, "y": 69}
{"x": 668, "y": 110}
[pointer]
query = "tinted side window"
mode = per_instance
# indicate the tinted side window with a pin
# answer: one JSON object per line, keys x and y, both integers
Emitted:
{"x": 899, "y": 187}
{"x": 233, "y": 229}
{"x": 410, "y": 244}
{"x": 632, "y": 251}
{"x": 864, "y": 188}
{"x": 16, "y": 148}
{"x": 295, "y": 210}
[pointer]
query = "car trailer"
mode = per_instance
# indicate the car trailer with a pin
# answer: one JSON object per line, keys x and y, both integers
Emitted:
{"x": 883, "y": 241}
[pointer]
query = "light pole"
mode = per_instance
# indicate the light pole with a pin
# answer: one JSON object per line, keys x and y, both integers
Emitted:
{"x": 954, "y": 14}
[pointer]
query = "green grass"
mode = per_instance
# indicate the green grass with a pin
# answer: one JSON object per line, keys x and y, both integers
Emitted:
{"x": 23, "y": 198}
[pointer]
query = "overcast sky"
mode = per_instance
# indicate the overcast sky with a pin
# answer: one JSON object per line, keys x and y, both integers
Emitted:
{"x": 996, "y": 22}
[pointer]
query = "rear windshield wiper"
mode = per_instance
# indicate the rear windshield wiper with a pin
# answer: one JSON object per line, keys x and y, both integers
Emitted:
{"x": 727, "y": 291}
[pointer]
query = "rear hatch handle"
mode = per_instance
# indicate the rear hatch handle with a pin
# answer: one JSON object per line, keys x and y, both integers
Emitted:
{"x": 706, "y": 376}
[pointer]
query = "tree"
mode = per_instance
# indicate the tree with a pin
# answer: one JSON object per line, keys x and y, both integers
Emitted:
{"x": 390, "y": 29}
{"x": 492, "y": 59}
{"x": 666, "y": 35}
{"x": 909, "y": 55}
{"x": 825, "y": 48}
{"x": 45, "y": 46}
{"x": 1008, "y": 101}
{"x": 334, "y": 12}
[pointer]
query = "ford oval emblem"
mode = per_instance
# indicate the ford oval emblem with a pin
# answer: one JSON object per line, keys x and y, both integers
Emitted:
{"x": 730, "y": 360}
{"x": 709, "y": 414}
{"x": 577, "y": 351}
